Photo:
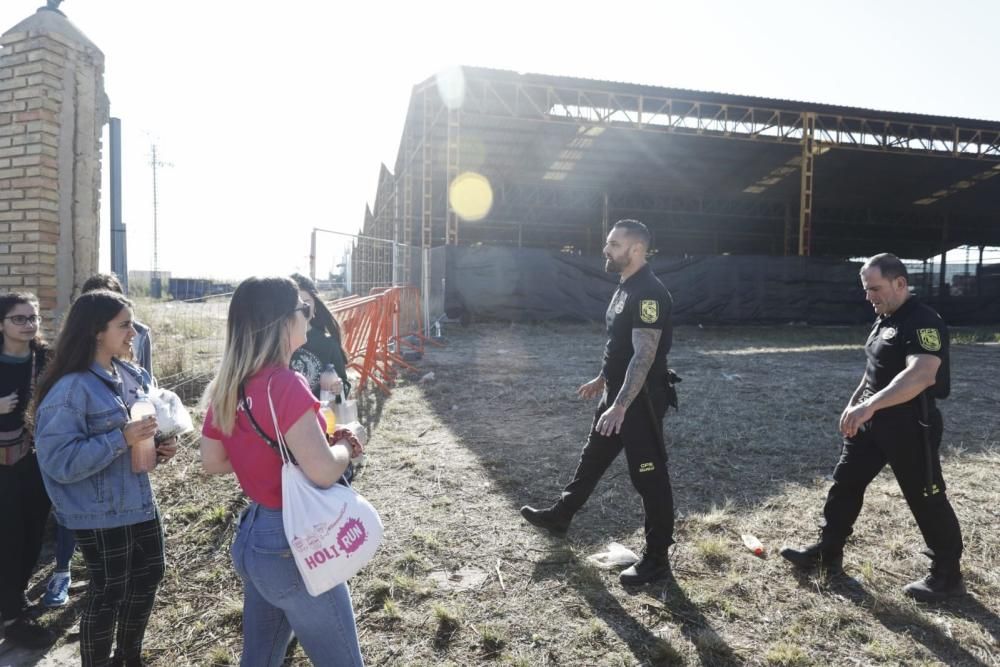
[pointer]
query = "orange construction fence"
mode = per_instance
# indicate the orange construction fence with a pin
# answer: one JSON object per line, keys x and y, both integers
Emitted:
{"x": 376, "y": 328}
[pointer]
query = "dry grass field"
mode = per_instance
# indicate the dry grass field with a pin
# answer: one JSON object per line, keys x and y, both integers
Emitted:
{"x": 462, "y": 580}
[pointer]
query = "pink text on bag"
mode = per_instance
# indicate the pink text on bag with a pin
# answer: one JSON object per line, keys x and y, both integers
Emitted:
{"x": 350, "y": 537}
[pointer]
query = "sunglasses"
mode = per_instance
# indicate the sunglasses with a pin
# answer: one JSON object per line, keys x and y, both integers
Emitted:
{"x": 306, "y": 310}
{"x": 21, "y": 320}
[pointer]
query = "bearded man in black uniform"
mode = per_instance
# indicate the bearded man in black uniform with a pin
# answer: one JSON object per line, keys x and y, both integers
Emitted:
{"x": 635, "y": 391}
{"x": 892, "y": 418}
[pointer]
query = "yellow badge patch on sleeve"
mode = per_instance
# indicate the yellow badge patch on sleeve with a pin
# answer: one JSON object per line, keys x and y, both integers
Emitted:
{"x": 930, "y": 339}
{"x": 649, "y": 310}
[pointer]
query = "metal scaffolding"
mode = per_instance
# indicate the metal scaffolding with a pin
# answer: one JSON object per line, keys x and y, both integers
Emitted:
{"x": 710, "y": 172}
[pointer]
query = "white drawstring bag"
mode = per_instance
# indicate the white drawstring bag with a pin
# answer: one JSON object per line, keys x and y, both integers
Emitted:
{"x": 333, "y": 532}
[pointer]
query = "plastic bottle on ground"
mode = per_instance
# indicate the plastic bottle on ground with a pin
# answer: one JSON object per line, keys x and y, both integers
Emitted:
{"x": 753, "y": 544}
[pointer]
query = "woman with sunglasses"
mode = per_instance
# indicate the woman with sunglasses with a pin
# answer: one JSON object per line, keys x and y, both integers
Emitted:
{"x": 324, "y": 343}
{"x": 85, "y": 442}
{"x": 267, "y": 322}
{"x": 24, "y": 505}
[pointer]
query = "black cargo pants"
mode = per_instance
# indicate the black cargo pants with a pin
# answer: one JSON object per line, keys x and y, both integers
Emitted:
{"x": 647, "y": 465}
{"x": 894, "y": 436}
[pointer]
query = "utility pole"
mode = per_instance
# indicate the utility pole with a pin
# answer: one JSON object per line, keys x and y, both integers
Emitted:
{"x": 155, "y": 286}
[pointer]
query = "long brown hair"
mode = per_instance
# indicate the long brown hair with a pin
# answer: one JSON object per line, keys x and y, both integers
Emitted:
{"x": 255, "y": 338}
{"x": 76, "y": 344}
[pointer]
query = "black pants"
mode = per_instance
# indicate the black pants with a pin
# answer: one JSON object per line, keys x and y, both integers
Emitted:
{"x": 647, "y": 466}
{"x": 894, "y": 436}
{"x": 24, "y": 508}
{"x": 125, "y": 566}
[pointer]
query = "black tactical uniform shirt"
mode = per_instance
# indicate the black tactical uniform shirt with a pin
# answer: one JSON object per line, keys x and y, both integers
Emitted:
{"x": 913, "y": 329}
{"x": 641, "y": 302}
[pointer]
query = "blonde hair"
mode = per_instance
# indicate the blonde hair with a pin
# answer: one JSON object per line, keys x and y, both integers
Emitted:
{"x": 256, "y": 336}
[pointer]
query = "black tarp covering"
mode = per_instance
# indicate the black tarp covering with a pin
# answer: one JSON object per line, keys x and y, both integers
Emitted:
{"x": 531, "y": 284}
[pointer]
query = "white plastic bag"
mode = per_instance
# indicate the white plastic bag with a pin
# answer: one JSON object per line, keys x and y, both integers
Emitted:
{"x": 333, "y": 532}
{"x": 615, "y": 556}
{"x": 346, "y": 411}
{"x": 172, "y": 418}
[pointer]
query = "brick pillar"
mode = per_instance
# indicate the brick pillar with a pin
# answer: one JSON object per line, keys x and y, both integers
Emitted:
{"x": 52, "y": 111}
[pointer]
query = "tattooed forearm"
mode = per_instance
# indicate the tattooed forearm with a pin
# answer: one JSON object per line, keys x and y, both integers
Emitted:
{"x": 644, "y": 342}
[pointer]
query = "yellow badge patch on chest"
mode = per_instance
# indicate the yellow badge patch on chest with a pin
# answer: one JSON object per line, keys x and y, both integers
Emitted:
{"x": 930, "y": 339}
{"x": 649, "y": 310}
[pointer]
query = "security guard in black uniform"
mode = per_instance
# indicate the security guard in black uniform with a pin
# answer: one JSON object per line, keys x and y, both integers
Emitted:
{"x": 891, "y": 418}
{"x": 635, "y": 392}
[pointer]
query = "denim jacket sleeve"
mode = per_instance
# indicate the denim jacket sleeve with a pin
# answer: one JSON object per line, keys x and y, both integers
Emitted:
{"x": 75, "y": 440}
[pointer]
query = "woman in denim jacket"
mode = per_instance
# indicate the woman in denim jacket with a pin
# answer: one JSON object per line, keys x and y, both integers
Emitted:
{"x": 83, "y": 436}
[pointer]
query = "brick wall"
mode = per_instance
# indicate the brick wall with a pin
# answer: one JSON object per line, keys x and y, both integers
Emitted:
{"x": 52, "y": 111}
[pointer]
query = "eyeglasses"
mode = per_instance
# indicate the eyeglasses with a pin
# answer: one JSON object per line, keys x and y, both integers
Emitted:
{"x": 306, "y": 309}
{"x": 21, "y": 320}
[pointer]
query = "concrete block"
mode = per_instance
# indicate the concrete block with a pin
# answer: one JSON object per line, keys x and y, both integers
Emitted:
{"x": 11, "y": 281}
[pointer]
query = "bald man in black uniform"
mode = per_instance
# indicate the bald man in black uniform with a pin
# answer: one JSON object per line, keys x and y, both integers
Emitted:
{"x": 892, "y": 418}
{"x": 634, "y": 390}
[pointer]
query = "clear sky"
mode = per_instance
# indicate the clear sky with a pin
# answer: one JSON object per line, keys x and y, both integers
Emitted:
{"x": 275, "y": 116}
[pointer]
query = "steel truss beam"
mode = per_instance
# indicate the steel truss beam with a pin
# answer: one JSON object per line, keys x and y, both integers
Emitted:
{"x": 581, "y": 106}
{"x": 452, "y": 167}
{"x": 542, "y": 197}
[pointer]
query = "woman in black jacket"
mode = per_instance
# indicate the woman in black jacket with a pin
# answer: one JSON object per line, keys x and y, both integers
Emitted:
{"x": 324, "y": 343}
{"x": 24, "y": 505}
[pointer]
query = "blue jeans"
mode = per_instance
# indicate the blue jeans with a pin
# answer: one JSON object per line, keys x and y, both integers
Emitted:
{"x": 276, "y": 603}
{"x": 65, "y": 546}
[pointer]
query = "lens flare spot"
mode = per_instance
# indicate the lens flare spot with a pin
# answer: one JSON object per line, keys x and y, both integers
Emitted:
{"x": 471, "y": 196}
{"x": 451, "y": 87}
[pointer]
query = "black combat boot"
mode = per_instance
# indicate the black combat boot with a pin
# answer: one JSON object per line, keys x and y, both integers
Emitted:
{"x": 826, "y": 557}
{"x": 651, "y": 567}
{"x": 552, "y": 519}
{"x": 944, "y": 581}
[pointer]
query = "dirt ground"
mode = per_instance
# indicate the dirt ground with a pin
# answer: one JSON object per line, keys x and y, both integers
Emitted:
{"x": 461, "y": 580}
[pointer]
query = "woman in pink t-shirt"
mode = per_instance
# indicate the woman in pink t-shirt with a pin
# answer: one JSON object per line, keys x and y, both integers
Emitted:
{"x": 267, "y": 322}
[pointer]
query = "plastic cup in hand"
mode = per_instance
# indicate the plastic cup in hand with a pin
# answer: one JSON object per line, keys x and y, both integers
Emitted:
{"x": 143, "y": 452}
{"x": 329, "y": 416}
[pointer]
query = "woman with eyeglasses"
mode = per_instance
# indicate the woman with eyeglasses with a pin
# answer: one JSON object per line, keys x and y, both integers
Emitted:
{"x": 24, "y": 505}
{"x": 85, "y": 440}
{"x": 267, "y": 323}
